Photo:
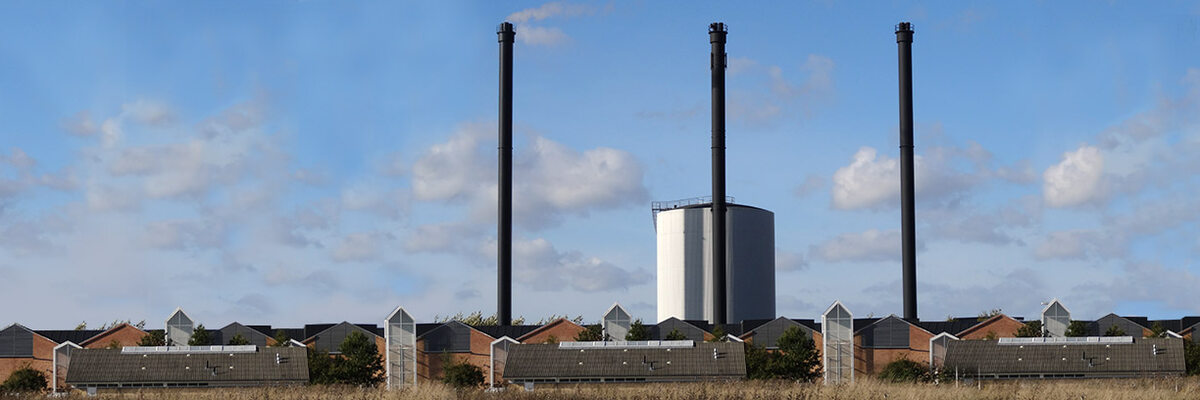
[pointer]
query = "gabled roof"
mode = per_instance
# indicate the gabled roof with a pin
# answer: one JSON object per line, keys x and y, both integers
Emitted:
{"x": 356, "y": 327}
{"x": 72, "y": 335}
{"x": 550, "y": 362}
{"x": 1053, "y": 302}
{"x": 985, "y": 322}
{"x": 512, "y": 331}
{"x": 110, "y": 331}
{"x": 546, "y": 327}
{"x": 953, "y": 326}
{"x": 276, "y": 365}
{"x": 893, "y": 316}
{"x": 444, "y": 324}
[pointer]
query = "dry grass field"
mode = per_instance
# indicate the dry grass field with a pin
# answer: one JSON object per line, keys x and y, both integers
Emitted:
{"x": 1064, "y": 390}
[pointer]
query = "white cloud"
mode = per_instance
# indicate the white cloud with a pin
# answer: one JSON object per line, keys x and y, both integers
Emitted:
{"x": 549, "y": 10}
{"x": 546, "y": 36}
{"x": 867, "y": 181}
{"x": 549, "y": 179}
{"x": 872, "y": 180}
{"x": 542, "y": 36}
{"x": 871, "y": 245}
{"x": 1076, "y": 179}
{"x": 149, "y": 112}
{"x": 538, "y": 265}
{"x": 789, "y": 260}
{"x": 362, "y": 246}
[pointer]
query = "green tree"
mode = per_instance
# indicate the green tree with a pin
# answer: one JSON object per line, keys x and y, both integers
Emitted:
{"x": 154, "y": 338}
{"x": 238, "y": 340}
{"x": 281, "y": 338}
{"x": 637, "y": 331}
{"x": 675, "y": 334}
{"x": 320, "y": 367}
{"x": 1077, "y": 329}
{"x": 462, "y": 375}
{"x": 905, "y": 370}
{"x": 1191, "y": 356}
{"x": 798, "y": 360}
{"x": 1030, "y": 329}
{"x": 1157, "y": 330}
{"x": 758, "y": 362}
{"x": 359, "y": 363}
{"x": 590, "y": 333}
{"x": 200, "y": 337}
{"x": 718, "y": 334}
{"x": 81, "y": 326}
{"x": 1114, "y": 331}
{"x": 24, "y": 380}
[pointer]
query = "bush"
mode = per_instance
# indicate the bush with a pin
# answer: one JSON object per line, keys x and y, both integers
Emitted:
{"x": 25, "y": 379}
{"x": 462, "y": 375}
{"x": 905, "y": 370}
{"x": 1114, "y": 331}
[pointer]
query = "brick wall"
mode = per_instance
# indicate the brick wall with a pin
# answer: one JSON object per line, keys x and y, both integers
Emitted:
{"x": 124, "y": 335}
{"x": 872, "y": 361}
{"x": 561, "y": 330}
{"x": 42, "y": 360}
{"x": 997, "y": 327}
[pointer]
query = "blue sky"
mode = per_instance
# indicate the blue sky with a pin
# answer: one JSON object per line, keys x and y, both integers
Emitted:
{"x": 292, "y": 162}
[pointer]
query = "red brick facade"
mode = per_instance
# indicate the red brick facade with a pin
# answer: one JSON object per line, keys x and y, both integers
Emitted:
{"x": 42, "y": 360}
{"x": 871, "y": 361}
{"x": 120, "y": 335}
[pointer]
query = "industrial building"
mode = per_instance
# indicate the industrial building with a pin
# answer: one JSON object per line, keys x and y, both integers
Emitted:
{"x": 685, "y": 270}
{"x": 167, "y": 367}
{"x": 624, "y": 362}
{"x": 1061, "y": 358}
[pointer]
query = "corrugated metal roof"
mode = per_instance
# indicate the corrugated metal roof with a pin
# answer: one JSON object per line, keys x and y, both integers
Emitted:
{"x": 547, "y": 361}
{"x": 512, "y": 331}
{"x": 75, "y": 336}
{"x": 987, "y": 358}
{"x": 90, "y": 367}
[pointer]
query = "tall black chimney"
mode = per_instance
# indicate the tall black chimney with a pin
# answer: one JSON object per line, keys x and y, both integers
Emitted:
{"x": 716, "y": 36}
{"x": 505, "y": 35}
{"x": 904, "y": 35}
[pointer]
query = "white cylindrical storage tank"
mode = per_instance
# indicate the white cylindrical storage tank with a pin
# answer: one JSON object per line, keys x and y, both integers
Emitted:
{"x": 685, "y": 266}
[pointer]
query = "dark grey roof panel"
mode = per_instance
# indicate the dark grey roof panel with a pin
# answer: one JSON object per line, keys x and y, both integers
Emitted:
{"x": 254, "y": 336}
{"x": 451, "y": 337}
{"x": 545, "y": 362}
{"x": 889, "y": 333}
{"x": 74, "y": 336}
{"x": 768, "y": 334}
{"x": 988, "y": 359}
{"x": 91, "y": 367}
{"x": 330, "y": 339}
{"x": 16, "y": 341}
{"x": 1103, "y": 324}
{"x": 512, "y": 331}
{"x": 664, "y": 328}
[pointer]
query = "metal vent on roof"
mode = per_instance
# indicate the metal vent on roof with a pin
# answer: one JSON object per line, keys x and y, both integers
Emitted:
{"x": 646, "y": 344}
{"x": 1065, "y": 340}
{"x": 188, "y": 349}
